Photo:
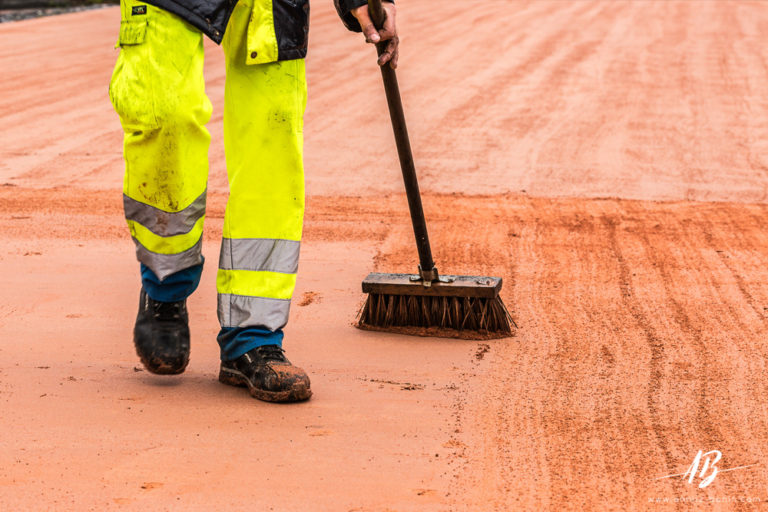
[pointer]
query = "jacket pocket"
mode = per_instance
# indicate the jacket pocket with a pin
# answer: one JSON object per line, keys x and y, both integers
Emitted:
{"x": 291, "y": 28}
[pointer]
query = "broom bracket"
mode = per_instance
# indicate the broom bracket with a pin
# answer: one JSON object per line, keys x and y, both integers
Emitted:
{"x": 427, "y": 277}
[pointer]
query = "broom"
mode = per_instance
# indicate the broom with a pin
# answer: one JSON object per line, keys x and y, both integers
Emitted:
{"x": 426, "y": 304}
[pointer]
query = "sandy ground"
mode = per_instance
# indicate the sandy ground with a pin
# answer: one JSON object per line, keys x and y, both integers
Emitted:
{"x": 608, "y": 159}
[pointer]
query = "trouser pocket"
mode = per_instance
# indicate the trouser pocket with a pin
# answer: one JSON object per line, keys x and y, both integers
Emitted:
{"x": 134, "y": 18}
{"x": 130, "y": 90}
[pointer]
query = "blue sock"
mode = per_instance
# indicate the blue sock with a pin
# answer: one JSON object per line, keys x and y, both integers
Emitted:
{"x": 236, "y": 341}
{"x": 175, "y": 287}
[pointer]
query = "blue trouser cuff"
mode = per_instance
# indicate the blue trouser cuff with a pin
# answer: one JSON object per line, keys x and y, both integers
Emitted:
{"x": 175, "y": 287}
{"x": 236, "y": 341}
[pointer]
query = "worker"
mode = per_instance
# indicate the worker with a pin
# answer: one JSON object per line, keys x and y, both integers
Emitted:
{"x": 157, "y": 89}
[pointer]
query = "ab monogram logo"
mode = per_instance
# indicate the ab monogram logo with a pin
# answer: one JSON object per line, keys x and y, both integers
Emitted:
{"x": 704, "y": 469}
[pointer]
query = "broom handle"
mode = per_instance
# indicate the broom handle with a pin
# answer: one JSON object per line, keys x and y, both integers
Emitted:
{"x": 404, "y": 151}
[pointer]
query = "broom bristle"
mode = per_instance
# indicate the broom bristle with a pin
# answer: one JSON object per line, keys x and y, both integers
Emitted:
{"x": 454, "y": 317}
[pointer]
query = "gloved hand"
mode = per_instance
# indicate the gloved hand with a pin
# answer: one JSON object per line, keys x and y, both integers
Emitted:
{"x": 387, "y": 33}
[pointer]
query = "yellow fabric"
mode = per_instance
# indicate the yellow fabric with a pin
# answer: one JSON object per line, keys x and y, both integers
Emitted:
{"x": 253, "y": 283}
{"x": 261, "y": 38}
{"x": 160, "y": 97}
{"x": 263, "y": 139}
{"x": 166, "y": 244}
{"x": 132, "y": 28}
{"x": 158, "y": 90}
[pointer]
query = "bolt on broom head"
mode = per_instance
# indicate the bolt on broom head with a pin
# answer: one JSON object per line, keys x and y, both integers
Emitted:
{"x": 466, "y": 307}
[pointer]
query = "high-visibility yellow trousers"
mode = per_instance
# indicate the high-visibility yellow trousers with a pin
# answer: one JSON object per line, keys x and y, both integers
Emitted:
{"x": 158, "y": 90}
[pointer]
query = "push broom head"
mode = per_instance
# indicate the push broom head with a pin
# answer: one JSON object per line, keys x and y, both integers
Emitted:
{"x": 466, "y": 307}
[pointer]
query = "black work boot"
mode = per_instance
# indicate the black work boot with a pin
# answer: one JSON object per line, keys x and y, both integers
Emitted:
{"x": 268, "y": 374}
{"x": 161, "y": 335}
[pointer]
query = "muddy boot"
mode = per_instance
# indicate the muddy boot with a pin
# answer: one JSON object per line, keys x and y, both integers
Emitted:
{"x": 161, "y": 335}
{"x": 268, "y": 375}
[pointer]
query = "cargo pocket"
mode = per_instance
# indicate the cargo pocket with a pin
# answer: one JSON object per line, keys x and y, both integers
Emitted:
{"x": 131, "y": 88}
{"x": 132, "y": 32}
{"x": 291, "y": 28}
{"x": 133, "y": 22}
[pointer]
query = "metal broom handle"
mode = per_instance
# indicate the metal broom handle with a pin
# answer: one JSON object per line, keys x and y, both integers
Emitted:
{"x": 427, "y": 266}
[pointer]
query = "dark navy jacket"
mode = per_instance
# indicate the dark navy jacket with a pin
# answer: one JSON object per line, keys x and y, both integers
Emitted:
{"x": 291, "y": 20}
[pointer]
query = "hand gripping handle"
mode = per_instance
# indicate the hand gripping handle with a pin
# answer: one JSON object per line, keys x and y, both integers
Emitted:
{"x": 377, "y": 13}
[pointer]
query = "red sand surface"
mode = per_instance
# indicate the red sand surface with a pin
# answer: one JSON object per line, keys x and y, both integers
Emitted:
{"x": 608, "y": 159}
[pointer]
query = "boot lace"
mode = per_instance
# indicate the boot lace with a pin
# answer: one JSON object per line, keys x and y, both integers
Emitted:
{"x": 166, "y": 311}
{"x": 271, "y": 353}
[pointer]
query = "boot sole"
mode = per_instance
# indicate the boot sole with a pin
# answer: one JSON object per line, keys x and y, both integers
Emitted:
{"x": 233, "y": 377}
{"x": 160, "y": 367}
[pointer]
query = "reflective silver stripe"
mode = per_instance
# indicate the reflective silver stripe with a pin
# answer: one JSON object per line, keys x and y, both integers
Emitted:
{"x": 164, "y": 265}
{"x": 244, "y": 311}
{"x": 260, "y": 254}
{"x": 164, "y": 223}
